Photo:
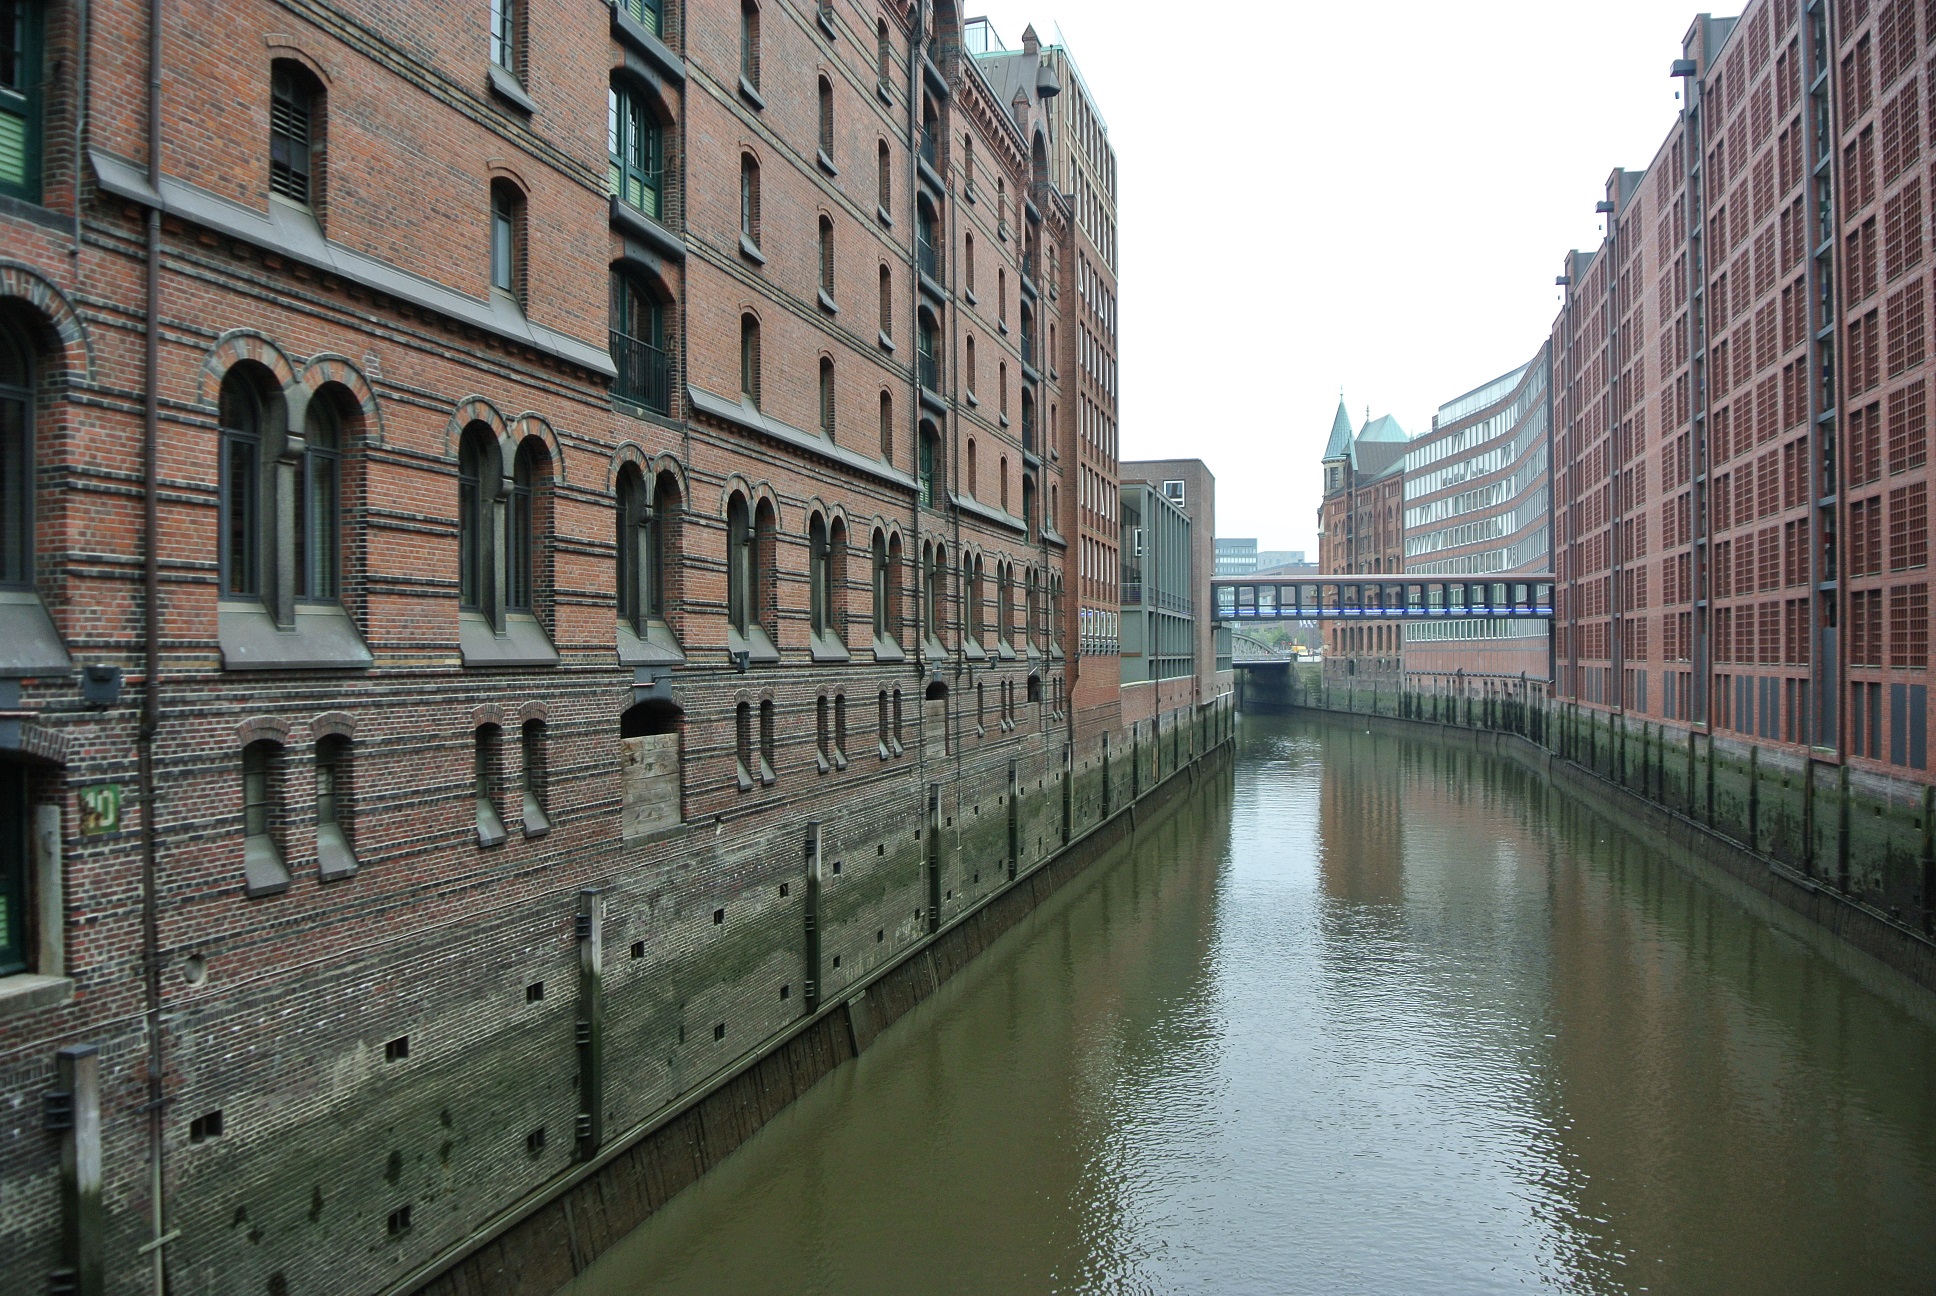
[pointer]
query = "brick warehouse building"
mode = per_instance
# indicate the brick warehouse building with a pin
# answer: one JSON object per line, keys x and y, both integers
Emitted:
{"x": 713, "y": 326}
{"x": 1361, "y": 528}
{"x": 1742, "y": 505}
{"x": 1075, "y": 158}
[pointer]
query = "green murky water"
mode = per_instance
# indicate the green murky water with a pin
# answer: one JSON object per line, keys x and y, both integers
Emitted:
{"x": 1376, "y": 1016}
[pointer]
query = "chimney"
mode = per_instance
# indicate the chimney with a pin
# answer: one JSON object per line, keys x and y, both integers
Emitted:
{"x": 1031, "y": 43}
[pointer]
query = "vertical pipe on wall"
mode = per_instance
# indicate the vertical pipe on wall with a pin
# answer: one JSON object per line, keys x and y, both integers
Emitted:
{"x": 151, "y": 665}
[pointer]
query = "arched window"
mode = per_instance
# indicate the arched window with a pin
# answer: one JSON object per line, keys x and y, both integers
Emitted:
{"x": 883, "y": 55}
{"x": 749, "y": 199}
{"x": 826, "y": 123}
{"x": 635, "y": 148}
{"x": 1028, "y": 504}
{"x": 638, "y": 339}
{"x": 749, "y": 360}
{"x": 887, "y": 304}
{"x": 840, "y": 731}
{"x": 295, "y": 127}
{"x": 968, "y": 177}
{"x": 878, "y": 578}
{"x": 17, "y": 462}
{"x": 1004, "y": 483}
{"x": 927, "y": 239}
{"x": 1028, "y": 420}
{"x": 1001, "y": 299}
{"x": 263, "y": 870}
{"x": 525, "y": 525}
{"x": 975, "y": 594}
{"x": 647, "y": 546}
{"x": 827, "y": 259}
{"x": 1030, "y": 618}
{"x": 749, "y": 43}
{"x": 478, "y": 479}
{"x": 934, "y": 593}
{"x": 743, "y": 745}
{"x": 1004, "y": 603}
{"x": 827, "y": 397}
{"x": 969, "y": 363}
{"x": 244, "y": 480}
{"x": 1028, "y": 336}
{"x": 335, "y": 808}
{"x": 884, "y": 182}
{"x": 971, "y": 477}
{"x": 968, "y": 262}
{"x": 742, "y": 566}
{"x": 930, "y": 480}
{"x": 823, "y": 736}
{"x": 1001, "y": 204}
{"x": 887, "y": 428}
{"x": 1002, "y": 382}
{"x": 927, "y": 346}
{"x": 507, "y": 239}
{"x": 536, "y": 789}
{"x": 821, "y": 600}
{"x": 769, "y": 754}
{"x": 23, "y": 81}
{"x": 319, "y": 503}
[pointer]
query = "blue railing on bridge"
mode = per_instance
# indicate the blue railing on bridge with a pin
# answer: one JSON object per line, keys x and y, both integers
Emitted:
{"x": 1358, "y": 599}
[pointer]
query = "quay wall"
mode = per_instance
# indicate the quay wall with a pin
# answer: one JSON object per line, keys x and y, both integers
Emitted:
{"x": 1849, "y": 850}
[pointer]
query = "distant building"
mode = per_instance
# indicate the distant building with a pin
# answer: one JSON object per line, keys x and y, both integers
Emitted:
{"x": 1158, "y": 604}
{"x": 1187, "y": 486}
{"x": 1236, "y": 557}
{"x": 1268, "y": 558}
{"x": 1361, "y": 530}
{"x": 1477, "y": 503}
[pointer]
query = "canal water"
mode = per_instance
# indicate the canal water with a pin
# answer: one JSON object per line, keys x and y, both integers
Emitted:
{"x": 1373, "y": 1015}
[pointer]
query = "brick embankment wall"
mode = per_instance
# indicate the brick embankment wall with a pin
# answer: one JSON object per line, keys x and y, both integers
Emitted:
{"x": 1849, "y": 851}
{"x": 535, "y": 1246}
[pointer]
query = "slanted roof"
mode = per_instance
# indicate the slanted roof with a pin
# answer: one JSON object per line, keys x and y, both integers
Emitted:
{"x": 1339, "y": 446}
{"x": 1383, "y": 428}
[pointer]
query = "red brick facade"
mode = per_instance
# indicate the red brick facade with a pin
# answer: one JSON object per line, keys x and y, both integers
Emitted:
{"x": 365, "y": 1052}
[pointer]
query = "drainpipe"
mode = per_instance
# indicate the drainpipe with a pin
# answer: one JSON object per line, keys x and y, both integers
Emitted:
{"x": 916, "y": 124}
{"x": 80, "y": 117}
{"x": 151, "y": 662}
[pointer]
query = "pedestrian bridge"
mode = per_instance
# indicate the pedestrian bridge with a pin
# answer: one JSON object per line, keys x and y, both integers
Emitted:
{"x": 1358, "y": 598}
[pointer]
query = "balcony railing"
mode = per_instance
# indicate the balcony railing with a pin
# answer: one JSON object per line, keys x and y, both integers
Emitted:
{"x": 930, "y": 257}
{"x": 1028, "y": 426}
{"x": 930, "y": 148}
{"x": 1028, "y": 342}
{"x": 644, "y": 373}
{"x": 930, "y": 366}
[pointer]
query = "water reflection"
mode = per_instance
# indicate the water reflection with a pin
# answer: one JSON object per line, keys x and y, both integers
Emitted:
{"x": 1375, "y": 1016}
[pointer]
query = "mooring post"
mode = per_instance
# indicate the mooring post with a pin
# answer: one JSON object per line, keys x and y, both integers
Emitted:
{"x": 1068, "y": 793}
{"x": 1014, "y": 820}
{"x": 810, "y": 986}
{"x": 934, "y": 857}
{"x": 591, "y": 1022}
{"x": 1754, "y": 797}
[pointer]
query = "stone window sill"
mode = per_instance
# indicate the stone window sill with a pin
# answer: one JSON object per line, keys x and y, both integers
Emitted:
{"x": 335, "y": 859}
{"x": 753, "y": 642}
{"x": 506, "y": 87}
{"x": 826, "y": 163}
{"x": 27, "y": 992}
{"x": 881, "y": 214}
{"x": 263, "y": 872}
{"x": 750, "y": 93}
{"x": 659, "y": 647}
{"x": 323, "y": 638}
{"x": 751, "y": 250}
{"x": 522, "y": 641}
{"x": 827, "y": 303}
{"x": 30, "y": 646}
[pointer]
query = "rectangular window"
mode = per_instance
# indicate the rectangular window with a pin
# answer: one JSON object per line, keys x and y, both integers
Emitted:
{"x": 504, "y": 47}
{"x": 240, "y": 527}
{"x": 536, "y": 821}
{"x": 21, "y": 81}
{"x": 15, "y": 860}
{"x": 503, "y": 240}
{"x": 484, "y": 778}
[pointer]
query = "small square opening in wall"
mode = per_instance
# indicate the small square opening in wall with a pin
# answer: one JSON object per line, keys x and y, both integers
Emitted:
{"x": 399, "y": 1221}
{"x": 719, "y": 917}
{"x": 836, "y": 960}
{"x": 397, "y": 1049}
{"x": 719, "y": 1031}
{"x": 534, "y": 992}
{"x": 880, "y": 936}
{"x": 786, "y": 992}
{"x": 204, "y": 1128}
{"x": 836, "y": 868}
{"x": 950, "y": 823}
{"x": 638, "y": 949}
{"x": 534, "y": 1142}
{"x": 783, "y": 890}
{"x": 951, "y": 893}
{"x": 882, "y": 848}
{"x": 978, "y": 878}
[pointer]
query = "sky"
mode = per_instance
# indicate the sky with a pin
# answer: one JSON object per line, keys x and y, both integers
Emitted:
{"x": 1316, "y": 196}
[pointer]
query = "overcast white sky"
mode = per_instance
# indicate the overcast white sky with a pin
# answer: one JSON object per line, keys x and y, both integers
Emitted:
{"x": 1368, "y": 196}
